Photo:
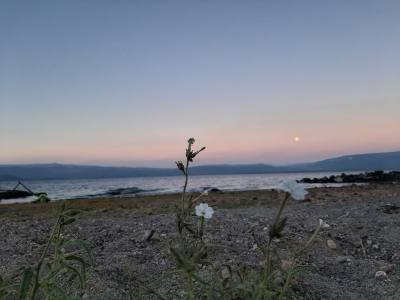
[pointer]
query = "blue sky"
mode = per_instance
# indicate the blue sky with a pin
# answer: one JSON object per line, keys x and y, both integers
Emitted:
{"x": 126, "y": 82}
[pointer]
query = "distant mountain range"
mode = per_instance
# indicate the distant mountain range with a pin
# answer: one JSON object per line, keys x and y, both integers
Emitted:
{"x": 359, "y": 162}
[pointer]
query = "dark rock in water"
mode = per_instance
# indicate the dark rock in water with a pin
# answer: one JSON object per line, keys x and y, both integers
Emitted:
{"x": 209, "y": 189}
{"x": 124, "y": 191}
{"x": 306, "y": 180}
{"x": 368, "y": 177}
{"x": 13, "y": 194}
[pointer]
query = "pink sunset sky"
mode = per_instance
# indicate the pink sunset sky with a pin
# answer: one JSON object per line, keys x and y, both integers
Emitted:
{"x": 127, "y": 83}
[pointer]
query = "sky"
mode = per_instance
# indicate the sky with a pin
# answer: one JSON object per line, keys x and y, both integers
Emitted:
{"x": 127, "y": 82}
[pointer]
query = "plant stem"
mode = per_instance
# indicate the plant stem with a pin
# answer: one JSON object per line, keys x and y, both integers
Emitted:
{"x": 310, "y": 240}
{"x": 201, "y": 226}
{"x": 190, "y": 286}
{"x": 186, "y": 181}
{"x": 267, "y": 270}
{"x": 286, "y": 285}
{"x": 268, "y": 251}
{"x": 43, "y": 256}
{"x": 281, "y": 208}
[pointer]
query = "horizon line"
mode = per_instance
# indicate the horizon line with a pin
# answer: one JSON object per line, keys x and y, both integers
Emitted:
{"x": 202, "y": 165}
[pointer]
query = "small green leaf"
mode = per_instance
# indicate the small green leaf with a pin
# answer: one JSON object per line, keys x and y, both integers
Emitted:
{"x": 56, "y": 293}
{"x": 80, "y": 276}
{"x": 75, "y": 257}
{"x": 68, "y": 221}
{"x": 72, "y": 212}
{"x": 26, "y": 283}
{"x": 80, "y": 244}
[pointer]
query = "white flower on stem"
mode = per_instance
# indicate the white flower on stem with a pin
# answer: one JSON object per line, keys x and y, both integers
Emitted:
{"x": 203, "y": 210}
{"x": 296, "y": 190}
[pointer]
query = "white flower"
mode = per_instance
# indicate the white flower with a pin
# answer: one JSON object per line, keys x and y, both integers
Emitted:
{"x": 295, "y": 189}
{"x": 203, "y": 210}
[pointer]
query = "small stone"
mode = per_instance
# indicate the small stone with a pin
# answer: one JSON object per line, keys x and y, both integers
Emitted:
{"x": 278, "y": 281}
{"x": 380, "y": 275}
{"x": 395, "y": 257}
{"x": 324, "y": 225}
{"x": 147, "y": 235}
{"x": 225, "y": 273}
{"x": 342, "y": 259}
{"x": 331, "y": 244}
{"x": 255, "y": 247}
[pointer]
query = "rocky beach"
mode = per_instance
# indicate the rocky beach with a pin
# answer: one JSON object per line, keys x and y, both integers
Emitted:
{"x": 356, "y": 256}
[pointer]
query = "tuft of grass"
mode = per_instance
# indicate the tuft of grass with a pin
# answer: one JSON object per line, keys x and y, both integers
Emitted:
{"x": 63, "y": 261}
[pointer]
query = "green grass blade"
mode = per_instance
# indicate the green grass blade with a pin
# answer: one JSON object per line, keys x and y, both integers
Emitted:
{"x": 26, "y": 283}
{"x": 80, "y": 244}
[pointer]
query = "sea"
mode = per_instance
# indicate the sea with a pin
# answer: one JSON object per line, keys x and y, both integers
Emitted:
{"x": 139, "y": 186}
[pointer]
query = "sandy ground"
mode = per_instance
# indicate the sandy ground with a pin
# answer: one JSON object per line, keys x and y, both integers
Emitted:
{"x": 365, "y": 231}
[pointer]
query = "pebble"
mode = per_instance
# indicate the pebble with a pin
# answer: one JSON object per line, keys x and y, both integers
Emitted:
{"x": 342, "y": 259}
{"x": 324, "y": 225}
{"x": 331, "y": 244}
{"x": 147, "y": 235}
{"x": 380, "y": 275}
{"x": 375, "y": 246}
{"x": 225, "y": 273}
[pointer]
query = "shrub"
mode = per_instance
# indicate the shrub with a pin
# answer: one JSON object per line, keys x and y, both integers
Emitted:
{"x": 61, "y": 262}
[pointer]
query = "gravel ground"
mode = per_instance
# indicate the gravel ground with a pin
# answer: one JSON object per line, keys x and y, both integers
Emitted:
{"x": 365, "y": 231}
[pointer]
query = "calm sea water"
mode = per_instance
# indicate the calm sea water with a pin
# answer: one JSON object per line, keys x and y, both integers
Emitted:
{"x": 120, "y": 187}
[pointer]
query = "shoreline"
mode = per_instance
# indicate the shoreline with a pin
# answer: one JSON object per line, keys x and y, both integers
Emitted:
{"x": 127, "y": 187}
{"x": 164, "y": 203}
{"x": 167, "y": 194}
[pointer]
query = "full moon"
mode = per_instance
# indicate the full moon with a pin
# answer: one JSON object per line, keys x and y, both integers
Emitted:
{"x": 297, "y": 139}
